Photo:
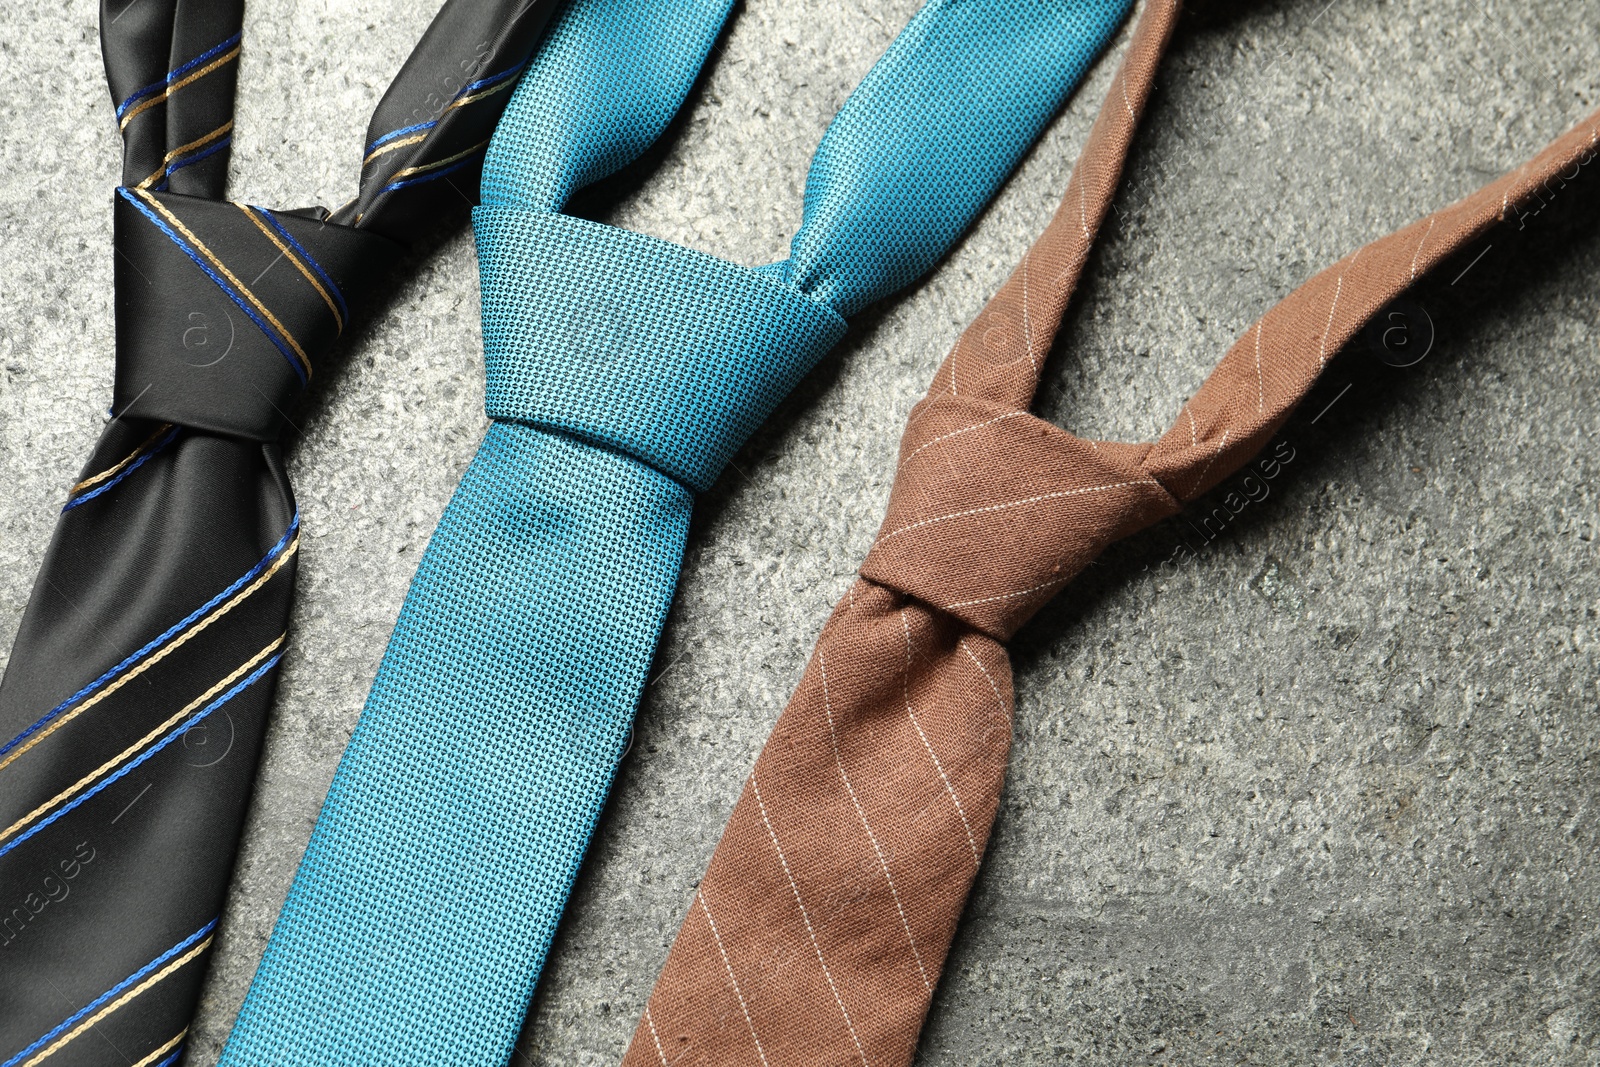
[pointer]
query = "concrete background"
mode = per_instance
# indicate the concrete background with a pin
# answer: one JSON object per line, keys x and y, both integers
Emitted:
{"x": 1324, "y": 793}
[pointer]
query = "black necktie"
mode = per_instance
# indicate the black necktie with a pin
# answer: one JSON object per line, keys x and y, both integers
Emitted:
{"x": 132, "y": 711}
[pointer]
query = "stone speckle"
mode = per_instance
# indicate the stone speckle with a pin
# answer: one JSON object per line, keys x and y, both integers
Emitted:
{"x": 1322, "y": 790}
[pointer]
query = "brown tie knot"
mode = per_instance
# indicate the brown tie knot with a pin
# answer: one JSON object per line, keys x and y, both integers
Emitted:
{"x": 993, "y": 510}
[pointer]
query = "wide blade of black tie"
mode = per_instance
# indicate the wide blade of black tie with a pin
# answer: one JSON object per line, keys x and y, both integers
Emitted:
{"x": 134, "y": 703}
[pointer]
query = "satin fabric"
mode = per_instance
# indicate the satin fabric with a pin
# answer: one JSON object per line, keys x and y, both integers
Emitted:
{"x": 136, "y": 695}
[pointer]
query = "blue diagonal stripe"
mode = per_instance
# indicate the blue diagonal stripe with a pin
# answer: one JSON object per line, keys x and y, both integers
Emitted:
{"x": 401, "y": 132}
{"x": 493, "y": 79}
{"x": 178, "y": 72}
{"x": 183, "y": 624}
{"x": 272, "y": 220}
{"x": 176, "y": 733}
{"x": 199, "y": 261}
{"x": 194, "y": 157}
{"x": 111, "y": 994}
{"x": 174, "y": 74}
{"x": 392, "y": 186}
{"x": 171, "y": 436}
{"x": 466, "y": 90}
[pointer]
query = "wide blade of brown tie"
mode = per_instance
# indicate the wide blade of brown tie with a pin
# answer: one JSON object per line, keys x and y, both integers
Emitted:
{"x": 820, "y": 929}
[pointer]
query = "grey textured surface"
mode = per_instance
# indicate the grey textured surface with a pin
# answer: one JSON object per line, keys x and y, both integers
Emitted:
{"x": 1325, "y": 792}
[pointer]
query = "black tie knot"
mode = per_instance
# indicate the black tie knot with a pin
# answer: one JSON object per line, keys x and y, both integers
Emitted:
{"x": 223, "y": 309}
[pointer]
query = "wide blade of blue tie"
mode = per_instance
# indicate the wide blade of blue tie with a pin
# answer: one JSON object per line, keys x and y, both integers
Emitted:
{"x": 623, "y": 373}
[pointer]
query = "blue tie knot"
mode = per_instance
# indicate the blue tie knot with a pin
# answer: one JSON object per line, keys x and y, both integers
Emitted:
{"x": 663, "y": 353}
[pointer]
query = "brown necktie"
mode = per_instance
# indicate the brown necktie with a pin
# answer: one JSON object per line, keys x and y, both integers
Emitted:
{"x": 821, "y": 926}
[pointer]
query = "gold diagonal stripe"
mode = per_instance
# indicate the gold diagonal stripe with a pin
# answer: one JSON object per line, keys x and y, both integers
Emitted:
{"x": 112, "y": 472}
{"x": 463, "y": 101}
{"x": 460, "y": 101}
{"x": 171, "y": 1044}
{"x": 392, "y": 145}
{"x": 132, "y": 750}
{"x": 220, "y": 131}
{"x": 157, "y": 658}
{"x": 436, "y": 163}
{"x": 316, "y": 283}
{"x": 161, "y": 97}
{"x": 72, "y": 1034}
{"x": 203, "y": 71}
{"x": 200, "y": 247}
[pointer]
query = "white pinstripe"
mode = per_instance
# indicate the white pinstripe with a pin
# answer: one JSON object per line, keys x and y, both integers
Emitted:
{"x": 948, "y": 788}
{"x": 838, "y": 761}
{"x": 1018, "y": 503}
{"x": 701, "y": 897}
{"x": 806, "y": 916}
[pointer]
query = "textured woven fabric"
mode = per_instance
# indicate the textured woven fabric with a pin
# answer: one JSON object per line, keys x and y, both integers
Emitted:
{"x": 510, "y": 779}
{"x": 425, "y": 902}
{"x": 627, "y": 370}
{"x": 564, "y": 354}
{"x": 610, "y": 75}
{"x": 136, "y": 696}
{"x": 821, "y": 926}
{"x": 928, "y": 136}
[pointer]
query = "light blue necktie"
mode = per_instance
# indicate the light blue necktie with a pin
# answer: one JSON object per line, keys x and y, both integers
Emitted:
{"x": 623, "y": 373}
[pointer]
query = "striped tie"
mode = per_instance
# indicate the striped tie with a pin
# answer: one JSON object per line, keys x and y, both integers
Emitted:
{"x": 821, "y": 927}
{"x": 132, "y": 709}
